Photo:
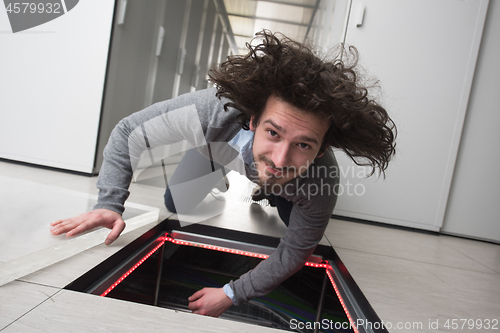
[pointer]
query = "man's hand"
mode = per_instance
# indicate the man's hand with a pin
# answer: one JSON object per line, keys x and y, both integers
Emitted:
{"x": 96, "y": 218}
{"x": 209, "y": 302}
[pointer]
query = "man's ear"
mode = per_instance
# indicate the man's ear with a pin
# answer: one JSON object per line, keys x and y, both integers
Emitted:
{"x": 251, "y": 126}
{"x": 322, "y": 151}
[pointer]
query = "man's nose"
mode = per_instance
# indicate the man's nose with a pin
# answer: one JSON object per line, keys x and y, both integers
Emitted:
{"x": 281, "y": 156}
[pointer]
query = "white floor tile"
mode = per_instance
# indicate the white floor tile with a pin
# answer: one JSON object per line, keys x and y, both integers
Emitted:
{"x": 110, "y": 315}
{"x": 80, "y": 184}
{"x": 35, "y": 174}
{"x": 404, "y": 291}
{"x": 479, "y": 292}
{"x": 17, "y": 298}
{"x": 397, "y": 243}
{"x": 62, "y": 273}
{"x": 26, "y": 243}
{"x": 487, "y": 254}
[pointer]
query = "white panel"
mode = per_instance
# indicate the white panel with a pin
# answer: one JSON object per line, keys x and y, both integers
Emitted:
{"x": 473, "y": 208}
{"x": 51, "y": 87}
{"x": 26, "y": 245}
{"x": 424, "y": 53}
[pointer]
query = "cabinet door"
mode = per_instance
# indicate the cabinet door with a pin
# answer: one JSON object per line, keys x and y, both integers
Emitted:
{"x": 51, "y": 86}
{"x": 423, "y": 52}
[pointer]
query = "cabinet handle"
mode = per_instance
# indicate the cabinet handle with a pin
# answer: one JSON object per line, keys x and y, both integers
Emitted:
{"x": 360, "y": 14}
{"x": 121, "y": 12}
{"x": 159, "y": 44}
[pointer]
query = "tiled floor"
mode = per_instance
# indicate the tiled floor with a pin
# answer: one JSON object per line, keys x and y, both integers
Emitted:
{"x": 412, "y": 279}
{"x": 27, "y": 209}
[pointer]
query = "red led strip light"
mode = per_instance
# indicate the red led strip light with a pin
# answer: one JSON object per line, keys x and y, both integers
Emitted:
{"x": 228, "y": 250}
{"x": 216, "y": 248}
{"x": 135, "y": 266}
{"x": 341, "y": 301}
{"x": 166, "y": 238}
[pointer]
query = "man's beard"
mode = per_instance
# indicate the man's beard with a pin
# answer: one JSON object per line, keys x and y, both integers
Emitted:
{"x": 268, "y": 180}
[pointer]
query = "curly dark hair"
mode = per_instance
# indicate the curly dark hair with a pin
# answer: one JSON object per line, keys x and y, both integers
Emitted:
{"x": 293, "y": 73}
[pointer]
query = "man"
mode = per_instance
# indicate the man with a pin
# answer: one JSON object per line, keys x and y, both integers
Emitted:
{"x": 281, "y": 108}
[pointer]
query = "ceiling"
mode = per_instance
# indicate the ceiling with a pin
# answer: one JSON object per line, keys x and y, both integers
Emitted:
{"x": 293, "y": 18}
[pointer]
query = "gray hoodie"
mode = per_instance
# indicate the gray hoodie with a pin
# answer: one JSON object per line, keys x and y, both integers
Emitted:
{"x": 199, "y": 117}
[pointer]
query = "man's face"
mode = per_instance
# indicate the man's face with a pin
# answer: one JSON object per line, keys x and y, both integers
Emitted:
{"x": 286, "y": 142}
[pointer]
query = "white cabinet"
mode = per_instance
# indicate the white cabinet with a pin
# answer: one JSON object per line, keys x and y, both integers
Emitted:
{"x": 424, "y": 54}
{"x": 65, "y": 84}
{"x": 51, "y": 87}
{"x": 473, "y": 208}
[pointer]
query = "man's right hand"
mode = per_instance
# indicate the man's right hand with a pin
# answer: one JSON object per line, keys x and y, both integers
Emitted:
{"x": 93, "y": 219}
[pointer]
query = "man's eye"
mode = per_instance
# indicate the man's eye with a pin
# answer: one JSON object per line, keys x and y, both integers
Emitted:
{"x": 303, "y": 145}
{"x": 272, "y": 133}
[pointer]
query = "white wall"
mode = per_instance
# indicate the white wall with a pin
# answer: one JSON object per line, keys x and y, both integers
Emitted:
{"x": 474, "y": 203}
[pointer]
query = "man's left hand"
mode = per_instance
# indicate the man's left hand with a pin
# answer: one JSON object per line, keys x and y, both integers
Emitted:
{"x": 209, "y": 302}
